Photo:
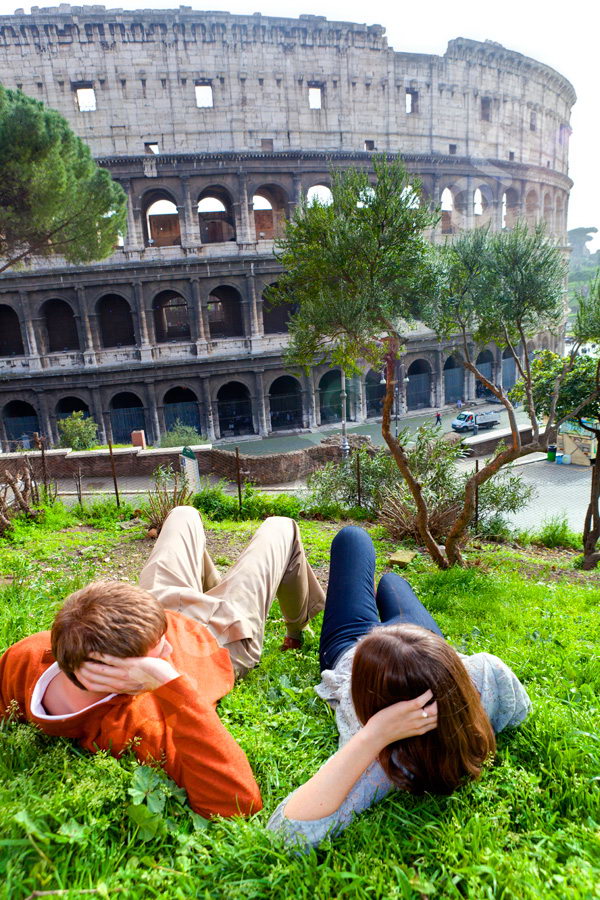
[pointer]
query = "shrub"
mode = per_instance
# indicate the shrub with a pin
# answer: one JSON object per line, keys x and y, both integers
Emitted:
{"x": 180, "y": 435}
{"x": 170, "y": 490}
{"x": 555, "y": 532}
{"x": 103, "y": 512}
{"x": 216, "y": 504}
{"x": 335, "y": 486}
{"x": 77, "y": 431}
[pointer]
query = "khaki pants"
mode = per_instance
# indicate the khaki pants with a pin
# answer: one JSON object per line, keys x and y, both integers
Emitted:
{"x": 234, "y": 608}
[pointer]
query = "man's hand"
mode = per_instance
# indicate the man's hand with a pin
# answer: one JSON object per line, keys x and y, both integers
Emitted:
{"x": 129, "y": 675}
{"x": 405, "y": 719}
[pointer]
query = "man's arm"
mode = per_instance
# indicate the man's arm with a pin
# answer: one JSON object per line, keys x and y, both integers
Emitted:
{"x": 200, "y": 754}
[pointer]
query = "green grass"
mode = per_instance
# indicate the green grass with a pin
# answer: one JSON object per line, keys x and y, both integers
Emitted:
{"x": 528, "y": 829}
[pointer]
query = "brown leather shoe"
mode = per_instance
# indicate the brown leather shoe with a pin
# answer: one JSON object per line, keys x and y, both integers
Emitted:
{"x": 291, "y": 643}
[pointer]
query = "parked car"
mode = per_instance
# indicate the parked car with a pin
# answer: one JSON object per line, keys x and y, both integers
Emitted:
{"x": 468, "y": 420}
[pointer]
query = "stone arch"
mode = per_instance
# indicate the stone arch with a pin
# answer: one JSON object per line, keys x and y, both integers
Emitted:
{"x": 225, "y": 313}
{"x": 483, "y": 204}
{"x": 160, "y": 218}
{"x": 127, "y": 414}
{"x": 330, "y": 404}
{"x": 181, "y": 405}
{"x": 454, "y": 379}
{"x": 418, "y": 387}
{"x": 68, "y": 405}
{"x": 449, "y": 214}
{"x": 60, "y": 326}
{"x": 374, "y": 393}
{"x": 548, "y": 212}
{"x": 531, "y": 207}
{"x": 234, "y": 407}
{"x": 509, "y": 370}
{"x": 20, "y": 421}
{"x": 485, "y": 364}
{"x": 319, "y": 193}
{"x": 11, "y": 339}
{"x": 269, "y": 205}
{"x": 510, "y": 208}
{"x": 115, "y": 321}
{"x": 285, "y": 403}
{"x": 276, "y": 319}
{"x": 171, "y": 317}
{"x": 215, "y": 216}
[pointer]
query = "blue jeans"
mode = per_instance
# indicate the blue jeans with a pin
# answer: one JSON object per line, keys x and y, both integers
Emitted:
{"x": 352, "y": 607}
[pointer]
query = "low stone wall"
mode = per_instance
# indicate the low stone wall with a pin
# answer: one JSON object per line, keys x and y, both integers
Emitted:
{"x": 276, "y": 468}
{"x": 484, "y": 444}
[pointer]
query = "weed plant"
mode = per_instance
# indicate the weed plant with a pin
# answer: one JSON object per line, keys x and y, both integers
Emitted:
{"x": 555, "y": 532}
{"x": 528, "y": 830}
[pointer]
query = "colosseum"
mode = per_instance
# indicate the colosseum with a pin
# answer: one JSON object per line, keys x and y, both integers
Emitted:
{"x": 217, "y": 125}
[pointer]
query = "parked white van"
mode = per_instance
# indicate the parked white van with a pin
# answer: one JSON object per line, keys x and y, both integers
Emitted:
{"x": 472, "y": 421}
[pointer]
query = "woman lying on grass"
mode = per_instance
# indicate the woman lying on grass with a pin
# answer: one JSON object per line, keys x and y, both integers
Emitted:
{"x": 411, "y": 712}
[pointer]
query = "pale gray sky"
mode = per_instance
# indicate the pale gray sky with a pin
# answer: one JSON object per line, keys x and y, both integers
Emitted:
{"x": 558, "y": 34}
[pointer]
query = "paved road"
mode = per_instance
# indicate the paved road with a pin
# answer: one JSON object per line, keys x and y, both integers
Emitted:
{"x": 561, "y": 490}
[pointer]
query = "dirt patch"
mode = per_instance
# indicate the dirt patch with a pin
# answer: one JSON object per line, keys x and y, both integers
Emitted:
{"x": 545, "y": 563}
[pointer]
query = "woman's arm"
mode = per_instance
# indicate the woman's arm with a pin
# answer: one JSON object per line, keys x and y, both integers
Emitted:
{"x": 323, "y": 794}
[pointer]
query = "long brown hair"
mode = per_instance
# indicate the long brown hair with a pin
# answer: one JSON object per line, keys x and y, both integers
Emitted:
{"x": 400, "y": 662}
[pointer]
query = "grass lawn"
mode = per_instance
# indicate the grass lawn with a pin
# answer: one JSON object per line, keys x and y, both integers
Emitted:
{"x": 529, "y": 828}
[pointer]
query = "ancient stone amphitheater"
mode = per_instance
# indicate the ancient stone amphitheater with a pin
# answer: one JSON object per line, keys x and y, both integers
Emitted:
{"x": 216, "y": 125}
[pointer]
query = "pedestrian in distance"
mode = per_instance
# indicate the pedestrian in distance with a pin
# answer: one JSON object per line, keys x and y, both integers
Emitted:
{"x": 438, "y": 418}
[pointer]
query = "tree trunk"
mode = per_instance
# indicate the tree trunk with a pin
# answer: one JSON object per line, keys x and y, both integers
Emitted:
{"x": 397, "y": 451}
{"x": 591, "y": 528}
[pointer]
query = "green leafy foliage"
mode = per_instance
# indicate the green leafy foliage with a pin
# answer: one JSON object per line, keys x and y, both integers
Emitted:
{"x": 180, "y": 435}
{"x": 555, "y": 532}
{"x": 579, "y": 382}
{"x": 77, "y": 431}
{"x": 215, "y": 503}
{"x": 356, "y": 268}
{"x": 53, "y": 196}
{"x": 336, "y": 485}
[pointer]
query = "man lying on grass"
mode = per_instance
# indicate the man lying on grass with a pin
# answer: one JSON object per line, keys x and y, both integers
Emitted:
{"x": 143, "y": 668}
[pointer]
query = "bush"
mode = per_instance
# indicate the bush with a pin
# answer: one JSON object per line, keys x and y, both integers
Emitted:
{"x": 555, "y": 532}
{"x": 180, "y": 435}
{"x": 170, "y": 490}
{"x": 77, "y": 431}
{"x": 103, "y": 512}
{"x": 217, "y": 505}
{"x": 333, "y": 489}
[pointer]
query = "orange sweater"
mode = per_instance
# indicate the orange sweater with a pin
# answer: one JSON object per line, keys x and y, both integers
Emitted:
{"x": 176, "y": 724}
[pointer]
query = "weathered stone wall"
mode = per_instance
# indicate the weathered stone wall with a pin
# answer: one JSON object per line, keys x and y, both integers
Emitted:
{"x": 144, "y": 67}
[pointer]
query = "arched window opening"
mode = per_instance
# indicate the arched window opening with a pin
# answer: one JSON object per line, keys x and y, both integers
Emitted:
{"x": 509, "y": 370}
{"x": 485, "y": 364}
{"x": 171, "y": 317}
{"x": 276, "y": 319}
{"x": 447, "y": 201}
{"x": 411, "y": 197}
{"x": 454, "y": 380}
{"x": 126, "y": 415}
{"x": 559, "y": 219}
{"x": 319, "y": 193}
{"x": 21, "y": 421}
{"x": 11, "y": 340}
{"x": 181, "y": 406}
{"x": 285, "y": 403}
{"x": 477, "y": 202}
{"x": 225, "y": 313}
{"x": 510, "y": 208}
{"x": 216, "y": 218}
{"x": 61, "y": 328}
{"x": 69, "y": 405}
{"x": 374, "y": 393}
{"x": 162, "y": 224}
{"x": 330, "y": 404}
{"x": 418, "y": 388}
{"x": 116, "y": 322}
{"x": 269, "y": 205}
{"x": 235, "y": 410}
{"x": 531, "y": 208}
{"x": 548, "y": 210}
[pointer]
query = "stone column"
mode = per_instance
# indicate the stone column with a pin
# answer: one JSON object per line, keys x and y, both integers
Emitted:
{"x": 309, "y": 412}
{"x": 296, "y": 196}
{"x": 30, "y": 344}
{"x": 208, "y": 425}
{"x": 191, "y": 232}
{"x": 263, "y": 428}
{"x": 245, "y": 232}
{"x": 85, "y": 329}
{"x": 470, "y": 205}
{"x": 437, "y": 377}
{"x": 45, "y": 419}
{"x": 4, "y": 444}
{"x": 196, "y": 321}
{"x": 255, "y": 323}
{"x": 361, "y": 410}
{"x": 135, "y": 232}
{"x": 469, "y": 384}
{"x": 153, "y": 411}
{"x": 144, "y": 341}
{"x": 98, "y": 417}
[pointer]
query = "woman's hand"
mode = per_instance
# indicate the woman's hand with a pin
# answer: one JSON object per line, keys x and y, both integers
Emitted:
{"x": 129, "y": 675}
{"x": 405, "y": 719}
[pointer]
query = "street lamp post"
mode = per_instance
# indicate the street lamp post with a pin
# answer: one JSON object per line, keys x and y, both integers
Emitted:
{"x": 344, "y": 444}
